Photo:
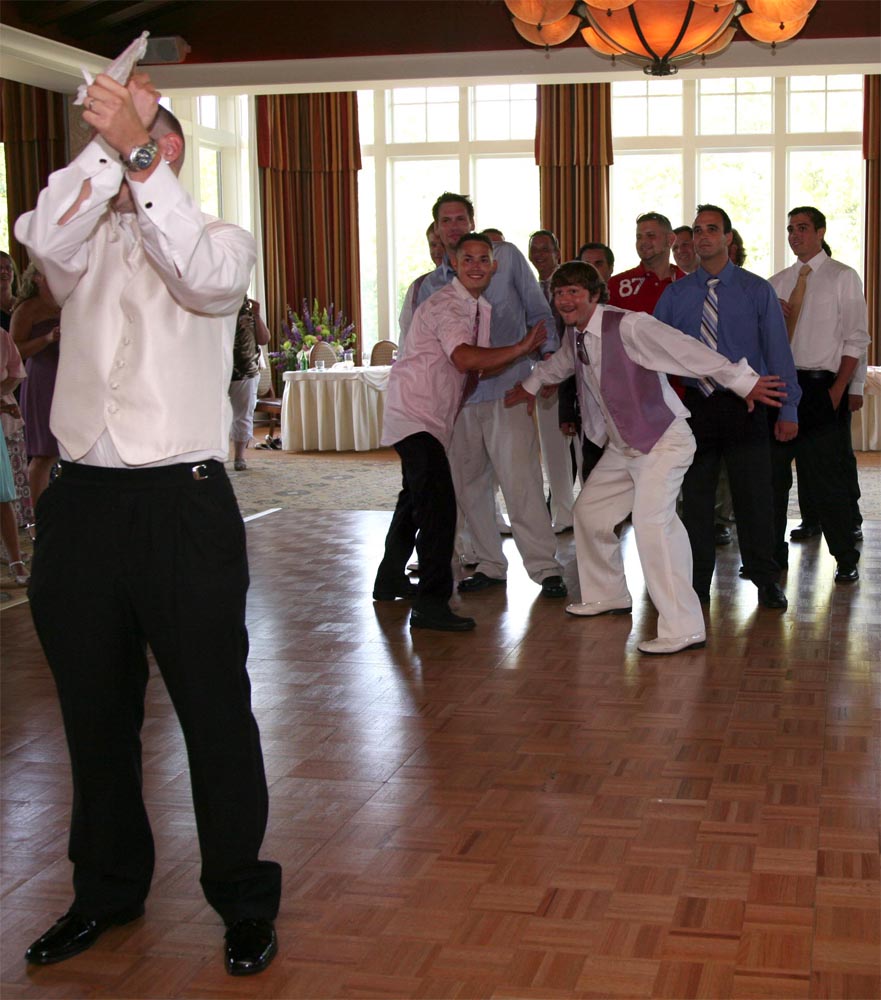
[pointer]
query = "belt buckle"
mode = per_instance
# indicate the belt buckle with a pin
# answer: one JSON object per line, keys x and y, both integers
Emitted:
{"x": 200, "y": 471}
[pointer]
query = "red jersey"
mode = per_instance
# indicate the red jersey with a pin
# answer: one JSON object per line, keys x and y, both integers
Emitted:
{"x": 639, "y": 289}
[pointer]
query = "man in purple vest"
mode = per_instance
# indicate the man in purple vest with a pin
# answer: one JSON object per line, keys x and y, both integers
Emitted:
{"x": 618, "y": 357}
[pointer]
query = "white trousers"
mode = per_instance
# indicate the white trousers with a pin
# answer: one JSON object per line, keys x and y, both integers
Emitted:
{"x": 648, "y": 486}
{"x": 493, "y": 443}
{"x": 243, "y": 397}
{"x": 556, "y": 460}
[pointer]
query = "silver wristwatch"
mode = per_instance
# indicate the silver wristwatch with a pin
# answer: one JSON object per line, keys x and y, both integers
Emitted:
{"x": 141, "y": 157}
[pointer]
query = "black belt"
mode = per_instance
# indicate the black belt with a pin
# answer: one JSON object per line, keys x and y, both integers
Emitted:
{"x": 158, "y": 475}
{"x": 814, "y": 374}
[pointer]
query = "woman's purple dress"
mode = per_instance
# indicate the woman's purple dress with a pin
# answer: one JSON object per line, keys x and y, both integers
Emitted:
{"x": 37, "y": 390}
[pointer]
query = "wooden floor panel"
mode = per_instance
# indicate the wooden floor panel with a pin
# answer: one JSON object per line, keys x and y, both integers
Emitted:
{"x": 531, "y": 810}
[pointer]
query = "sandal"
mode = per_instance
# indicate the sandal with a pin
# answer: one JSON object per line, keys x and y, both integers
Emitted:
{"x": 21, "y": 576}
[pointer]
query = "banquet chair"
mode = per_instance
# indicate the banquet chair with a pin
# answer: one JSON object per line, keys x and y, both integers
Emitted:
{"x": 382, "y": 352}
{"x": 267, "y": 401}
{"x": 322, "y": 352}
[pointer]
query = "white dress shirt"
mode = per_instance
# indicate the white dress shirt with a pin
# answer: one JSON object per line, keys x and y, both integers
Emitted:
{"x": 149, "y": 301}
{"x": 651, "y": 344}
{"x": 833, "y": 320}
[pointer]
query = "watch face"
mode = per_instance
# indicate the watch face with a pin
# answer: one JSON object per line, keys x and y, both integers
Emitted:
{"x": 142, "y": 157}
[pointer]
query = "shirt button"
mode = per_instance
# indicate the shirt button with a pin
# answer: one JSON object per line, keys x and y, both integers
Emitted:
{"x": 114, "y": 385}
{"x": 120, "y": 364}
{"x": 127, "y": 340}
{"x": 102, "y": 160}
{"x": 112, "y": 408}
{"x": 148, "y": 204}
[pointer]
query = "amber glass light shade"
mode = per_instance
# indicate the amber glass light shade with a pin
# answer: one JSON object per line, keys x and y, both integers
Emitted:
{"x": 598, "y": 44}
{"x": 771, "y": 31}
{"x": 662, "y": 31}
{"x": 604, "y": 5}
{"x": 548, "y": 34}
{"x": 539, "y": 11}
{"x": 781, "y": 10}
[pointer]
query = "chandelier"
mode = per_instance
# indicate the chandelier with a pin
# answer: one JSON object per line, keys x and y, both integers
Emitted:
{"x": 665, "y": 32}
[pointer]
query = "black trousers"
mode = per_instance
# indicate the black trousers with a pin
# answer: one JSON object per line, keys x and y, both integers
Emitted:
{"x": 425, "y": 516}
{"x": 850, "y": 470}
{"x": 818, "y": 450}
{"x": 129, "y": 558}
{"x": 725, "y": 430}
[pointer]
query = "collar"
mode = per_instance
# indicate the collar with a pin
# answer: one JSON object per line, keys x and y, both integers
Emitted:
{"x": 463, "y": 292}
{"x": 816, "y": 262}
{"x": 726, "y": 275}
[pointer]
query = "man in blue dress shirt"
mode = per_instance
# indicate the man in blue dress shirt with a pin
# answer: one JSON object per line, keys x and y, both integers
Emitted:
{"x": 491, "y": 443}
{"x": 740, "y": 310}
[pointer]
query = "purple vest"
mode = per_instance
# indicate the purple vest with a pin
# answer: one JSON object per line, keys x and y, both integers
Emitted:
{"x": 633, "y": 395}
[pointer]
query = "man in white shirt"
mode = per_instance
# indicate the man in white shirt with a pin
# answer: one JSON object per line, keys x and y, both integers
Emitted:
{"x": 618, "y": 358}
{"x": 139, "y": 540}
{"x": 446, "y": 353}
{"x": 827, "y": 320}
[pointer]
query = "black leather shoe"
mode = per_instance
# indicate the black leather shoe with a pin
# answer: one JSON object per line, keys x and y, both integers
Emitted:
{"x": 804, "y": 531}
{"x": 846, "y": 573}
{"x": 479, "y": 581}
{"x": 723, "y": 535}
{"x": 251, "y": 945}
{"x": 857, "y": 534}
{"x": 553, "y": 586}
{"x": 405, "y": 589}
{"x": 74, "y": 933}
{"x": 441, "y": 619}
{"x": 771, "y": 596}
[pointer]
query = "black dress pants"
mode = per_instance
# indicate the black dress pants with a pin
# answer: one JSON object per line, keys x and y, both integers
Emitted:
{"x": 124, "y": 559}
{"x": 850, "y": 470}
{"x": 425, "y": 516}
{"x": 725, "y": 430}
{"x": 818, "y": 450}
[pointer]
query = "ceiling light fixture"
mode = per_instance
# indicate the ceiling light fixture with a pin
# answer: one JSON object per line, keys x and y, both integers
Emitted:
{"x": 664, "y": 32}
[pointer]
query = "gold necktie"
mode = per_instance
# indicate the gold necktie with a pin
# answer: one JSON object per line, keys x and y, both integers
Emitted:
{"x": 796, "y": 299}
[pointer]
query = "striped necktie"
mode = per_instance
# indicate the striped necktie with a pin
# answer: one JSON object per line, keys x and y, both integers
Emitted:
{"x": 710, "y": 330}
{"x": 796, "y": 300}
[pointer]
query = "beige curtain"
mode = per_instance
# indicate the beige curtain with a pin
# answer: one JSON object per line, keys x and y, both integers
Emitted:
{"x": 574, "y": 152}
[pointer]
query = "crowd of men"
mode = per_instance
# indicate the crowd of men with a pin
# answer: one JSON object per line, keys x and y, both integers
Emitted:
{"x": 801, "y": 337}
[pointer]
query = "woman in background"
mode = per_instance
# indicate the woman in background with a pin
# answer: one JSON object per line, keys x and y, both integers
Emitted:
{"x": 35, "y": 331}
{"x": 11, "y": 374}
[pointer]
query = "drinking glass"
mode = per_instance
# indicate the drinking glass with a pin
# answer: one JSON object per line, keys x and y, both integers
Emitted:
{"x": 319, "y": 365}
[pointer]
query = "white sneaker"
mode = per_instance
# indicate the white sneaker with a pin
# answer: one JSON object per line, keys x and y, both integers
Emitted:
{"x": 614, "y": 606}
{"x": 662, "y": 647}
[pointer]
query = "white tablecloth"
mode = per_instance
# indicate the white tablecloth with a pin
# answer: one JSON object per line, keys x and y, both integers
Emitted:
{"x": 865, "y": 425}
{"x": 335, "y": 410}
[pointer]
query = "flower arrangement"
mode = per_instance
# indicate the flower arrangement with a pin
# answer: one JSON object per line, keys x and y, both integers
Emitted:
{"x": 313, "y": 326}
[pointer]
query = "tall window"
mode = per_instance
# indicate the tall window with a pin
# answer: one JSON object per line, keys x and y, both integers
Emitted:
{"x": 417, "y": 142}
{"x": 757, "y": 146}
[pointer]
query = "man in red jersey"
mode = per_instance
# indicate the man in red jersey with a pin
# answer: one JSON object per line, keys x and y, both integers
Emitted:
{"x": 640, "y": 288}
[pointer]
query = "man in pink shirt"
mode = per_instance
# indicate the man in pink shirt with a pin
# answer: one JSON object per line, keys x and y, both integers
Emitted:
{"x": 444, "y": 355}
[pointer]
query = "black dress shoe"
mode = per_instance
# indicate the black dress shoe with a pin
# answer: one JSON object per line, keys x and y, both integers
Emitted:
{"x": 553, "y": 586}
{"x": 74, "y": 933}
{"x": 251, "y": 945}
{"x": 479, "y": 581}
{"x": 440, "y": 619}
{"x": 857, "y": 534}
{"x": 804, "y": 532}
{"x": 846, "y": 573}
{"x": 404, "y": 588}
{"x": 771, "y": 596}
{"x": 723, "y": 535}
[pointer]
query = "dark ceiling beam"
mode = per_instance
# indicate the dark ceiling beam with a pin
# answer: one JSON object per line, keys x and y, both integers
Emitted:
{"x": 122, "y": 13}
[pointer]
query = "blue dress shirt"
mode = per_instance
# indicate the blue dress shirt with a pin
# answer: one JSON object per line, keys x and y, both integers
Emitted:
{"x": 751, "y": 324}
{"x": 517, "y": 301}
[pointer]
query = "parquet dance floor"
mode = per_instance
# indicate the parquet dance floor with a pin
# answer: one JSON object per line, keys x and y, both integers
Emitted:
{"x": 530, "y": 810}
